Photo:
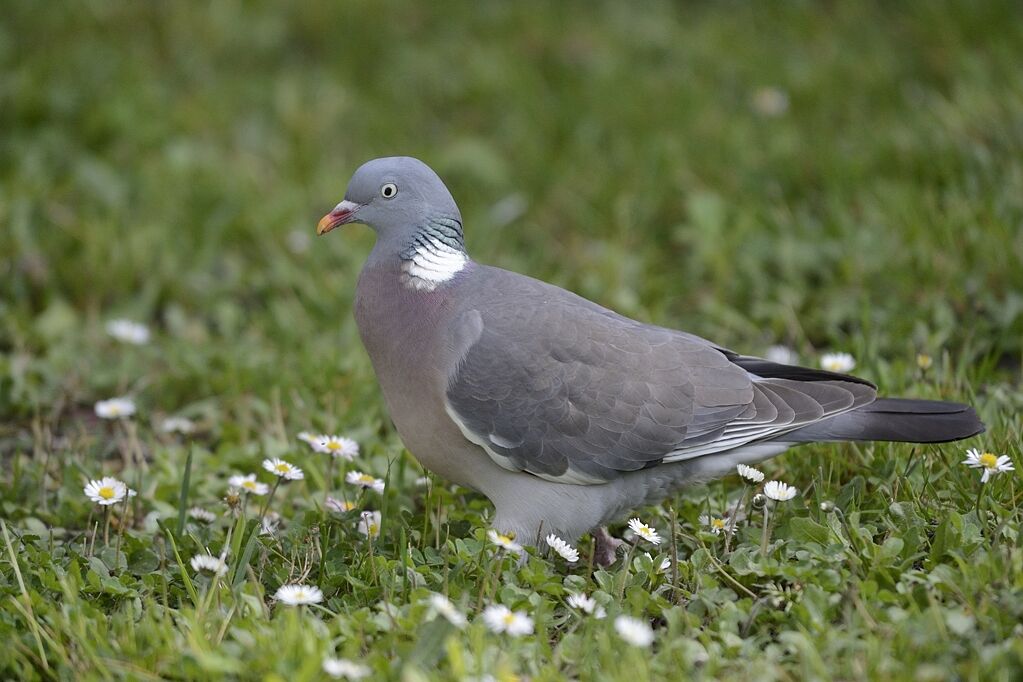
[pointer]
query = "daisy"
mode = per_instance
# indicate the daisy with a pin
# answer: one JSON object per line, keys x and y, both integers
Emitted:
{"x": 369, "y": 523}
{"x": 364, "y": 481}
{"x": 714, "y": 524}
{"x": 991, "y": 464}
{"x": 441, "y": 605}
{"x": 749, "y": 473}
{"x": 778, "y": 491}
{"x": 337, "y": 446}
{"x": 128, "y": 332}
{"x": 297, "y": 595}
{"x": 644, "y": 531}
{"x": 339, "y": 506}
{"x": 770, "y": 102}
{"x": 342, "y": 667}
{"x": 270, "y": 523}
{"x": 107, "y": 491}
{"x": 115, "y": 408}
{"x": 665, "y": 562}
{"x": 500, "y": 618}
{"x": 200, "y": 514}
{"x": 587, "y": 605}
{"x": 177, "y": 425}
{"x": 248, "y": 484}
{"x": 783, "y": 355}
{"x": 634, "y": 631}
{"x": 504, "y": 541}
{"x": 282, "y": 469}
{"x": 309, "y": 438}
{"x": 567, "y": 551}
{"x": 924, "y": 361}
{"x": 838, "y": 362}
{"x": 207, "y": 563}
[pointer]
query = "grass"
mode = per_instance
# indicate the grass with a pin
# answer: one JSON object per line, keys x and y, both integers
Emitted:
{"x": 167, "y": 163}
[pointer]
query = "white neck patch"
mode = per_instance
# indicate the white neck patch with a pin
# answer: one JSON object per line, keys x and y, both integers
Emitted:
{"x": 432, "y": 263}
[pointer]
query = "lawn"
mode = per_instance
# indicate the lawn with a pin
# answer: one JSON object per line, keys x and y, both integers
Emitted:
{"x": 839, "y": 176}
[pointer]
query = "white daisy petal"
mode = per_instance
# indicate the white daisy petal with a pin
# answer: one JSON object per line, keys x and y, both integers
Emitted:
{"x": 715, "y": 524}
{"x": 339, "y": 506}
{"x": 115, "y": 408}
{"x": 181, "y": 425}
{"x": 634, "y": 631}
{"x": 751, "y": 474}
{"x": 207, "y": 563}
{"x": 364, "y": 481}
{"x": 587, "y": 605}
{"x": 644, "y": 531}
{"x": 990, "y": 463}
{"x": 107, "y": 491}
{"x": 369, "y": 523}
{"x": 297, "y": 595}
{"x": 567, "y": 551}
{"x": 342, "y": 668}
{"x": 281, "y": 469}
{"x": 778, "y": 491}
{"x": 129, "y": 332}
{"x": 838, "y": 362}
{"x": 504, "y": 541}
{"x": 499, "y": 618}
{"x": 248, "y": 484}
{"x": 200, "y": 514}
{"x": 441, "y": 605}
{"x": 337, "y": 446}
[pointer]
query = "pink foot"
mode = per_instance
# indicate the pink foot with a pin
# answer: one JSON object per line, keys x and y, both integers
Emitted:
{"x": 604, "y": 547}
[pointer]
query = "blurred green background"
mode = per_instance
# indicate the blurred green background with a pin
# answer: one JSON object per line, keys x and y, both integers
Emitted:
{"x": 827, "y": 175}
{"x": 839, "y": 175}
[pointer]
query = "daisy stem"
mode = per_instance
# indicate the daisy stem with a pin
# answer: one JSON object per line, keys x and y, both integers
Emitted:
{"x": 977, "y": 506}
{"x": 106, "y": 525}
{"x": 120, "y": 529}
{"x": 625, "y": 568}
{"x": 269, "y": 499}
{"x": 735, "y": 515}
{"x": 330, "y": 481}
{"x": 372, "y": 562}
{"x": 92, "y": 545}
{"x": 764, "y": 537}
{"x": 485, "y": 586}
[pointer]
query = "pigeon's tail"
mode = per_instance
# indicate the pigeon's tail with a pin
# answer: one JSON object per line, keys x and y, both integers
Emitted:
{"x": 896, "y": 419}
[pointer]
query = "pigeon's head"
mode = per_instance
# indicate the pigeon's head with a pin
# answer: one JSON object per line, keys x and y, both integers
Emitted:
{"x": 393, "y": 195}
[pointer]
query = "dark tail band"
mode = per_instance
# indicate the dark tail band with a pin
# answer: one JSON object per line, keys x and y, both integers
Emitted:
{"x": 896, "y": 419}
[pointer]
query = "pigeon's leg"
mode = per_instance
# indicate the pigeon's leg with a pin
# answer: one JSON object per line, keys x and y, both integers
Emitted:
{"x": 604, "y": 547}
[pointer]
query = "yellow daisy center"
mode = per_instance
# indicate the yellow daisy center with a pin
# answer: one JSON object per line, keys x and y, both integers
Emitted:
{"x": 333, "y": 445}
{"x": 283, "y": 468}
{"x": 107, "y": 493}
{"x": 373, "y": 529}
{"x": 365, "y": 478}
{"x": 504, "y": 539}
{"x": 249, "y": 485}
{"x": 989, "y": 460}
{"x": 717, "y": 523}
{"x": 509, "y": 618}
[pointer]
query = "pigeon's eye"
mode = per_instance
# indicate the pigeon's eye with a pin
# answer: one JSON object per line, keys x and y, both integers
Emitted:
{"x": 389, "y": 190}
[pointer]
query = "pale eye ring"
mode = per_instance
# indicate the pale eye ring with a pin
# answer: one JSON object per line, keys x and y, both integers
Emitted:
{"x": 389, "y": 190}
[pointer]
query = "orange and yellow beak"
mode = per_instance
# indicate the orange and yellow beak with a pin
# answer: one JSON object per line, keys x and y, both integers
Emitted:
{"x": 342, "y": 214}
